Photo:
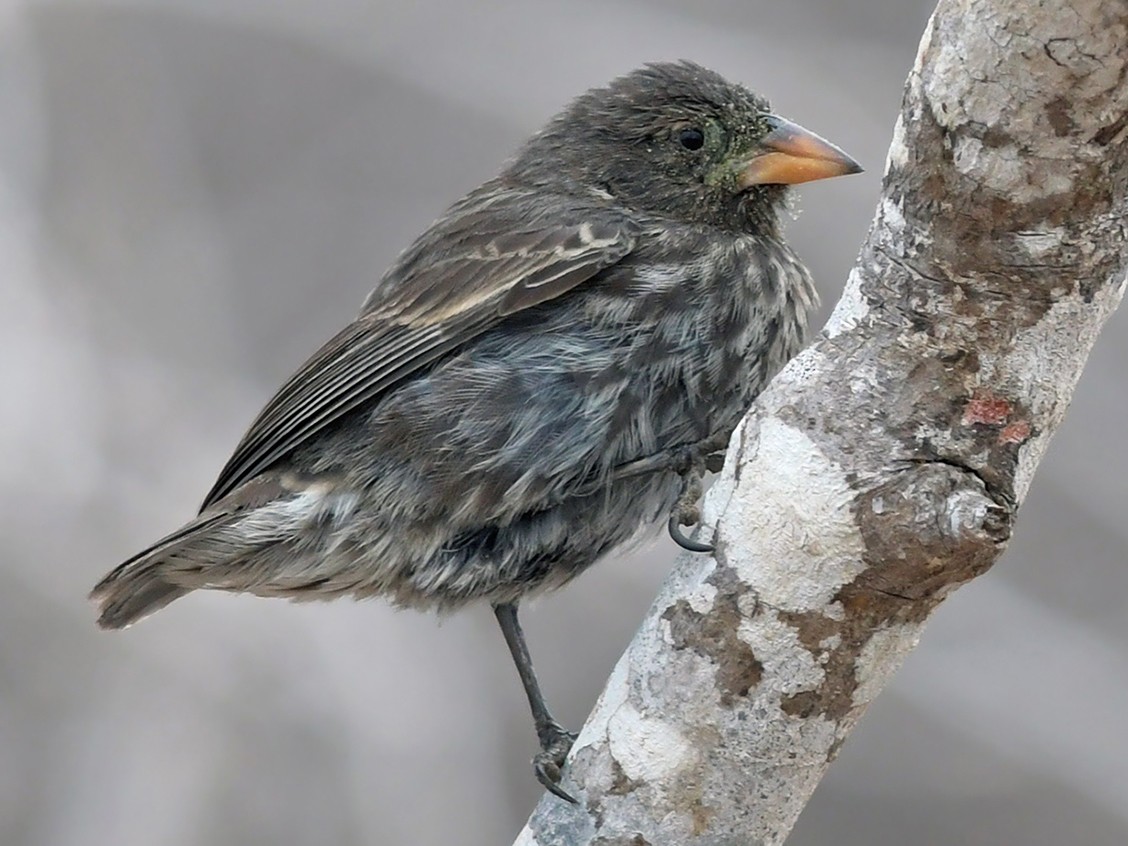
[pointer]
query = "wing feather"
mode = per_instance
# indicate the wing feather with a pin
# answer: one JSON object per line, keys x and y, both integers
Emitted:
{"x": 493, "y": 255}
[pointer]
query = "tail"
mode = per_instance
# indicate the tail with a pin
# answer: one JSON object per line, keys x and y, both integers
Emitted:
{"x": 223, "y": 548}
{"x": 141, "y": 585}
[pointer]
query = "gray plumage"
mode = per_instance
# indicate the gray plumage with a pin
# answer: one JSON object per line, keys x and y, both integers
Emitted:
{"x": 618, "y": 294}
{"x": 598, "y": 302}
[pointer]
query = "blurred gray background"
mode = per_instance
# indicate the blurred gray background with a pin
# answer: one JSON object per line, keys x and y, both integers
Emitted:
{"x": 194, "y": 194}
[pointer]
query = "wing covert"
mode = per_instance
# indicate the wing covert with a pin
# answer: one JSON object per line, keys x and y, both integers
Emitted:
{"x": 482, "y": 262}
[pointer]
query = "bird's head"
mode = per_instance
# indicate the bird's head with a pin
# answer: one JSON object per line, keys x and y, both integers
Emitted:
{"x": 679, "y": 141}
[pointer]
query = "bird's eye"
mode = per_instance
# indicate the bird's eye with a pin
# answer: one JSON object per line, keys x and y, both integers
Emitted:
{"x": 691, "y": 139}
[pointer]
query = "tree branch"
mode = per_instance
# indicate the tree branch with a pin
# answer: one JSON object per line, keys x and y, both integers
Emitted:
{"x": 885, "y": 466}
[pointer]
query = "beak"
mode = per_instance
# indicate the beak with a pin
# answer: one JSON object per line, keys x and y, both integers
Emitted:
{"x": 790, "y": 154}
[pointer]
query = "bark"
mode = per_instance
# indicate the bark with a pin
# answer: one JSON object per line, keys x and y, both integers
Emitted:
{"x": 886, "y": 465}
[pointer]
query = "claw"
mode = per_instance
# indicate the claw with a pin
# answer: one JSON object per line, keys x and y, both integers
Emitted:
{"x": 682, "y": 540}
{"x": 549, "y": 776}
{"x": 686, "y": 511}
{"x": 548, "y": 764}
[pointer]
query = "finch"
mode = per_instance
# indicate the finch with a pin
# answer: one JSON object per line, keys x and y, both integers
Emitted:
{"x": 535, "y": 378}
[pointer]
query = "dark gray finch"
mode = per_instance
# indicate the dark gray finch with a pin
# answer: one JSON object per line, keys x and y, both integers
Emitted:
{"x": 548, "y": 368}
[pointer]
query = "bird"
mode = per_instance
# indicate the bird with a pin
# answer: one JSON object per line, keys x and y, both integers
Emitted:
{"x": 543, "y": 373}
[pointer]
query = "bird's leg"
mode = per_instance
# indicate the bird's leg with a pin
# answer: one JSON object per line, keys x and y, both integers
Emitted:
{"x": 555, "y": 741}
{"x": 708, "y": 453}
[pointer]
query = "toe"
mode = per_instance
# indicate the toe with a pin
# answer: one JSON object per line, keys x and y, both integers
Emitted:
{"x": 548, "y": 770}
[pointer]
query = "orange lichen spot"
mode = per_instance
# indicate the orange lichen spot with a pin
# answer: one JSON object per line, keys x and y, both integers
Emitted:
{"x": 1015, "y": 433}
{"x": 987, "y": 409}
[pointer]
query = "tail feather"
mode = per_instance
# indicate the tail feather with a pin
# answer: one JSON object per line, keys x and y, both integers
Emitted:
{"x": 139, "y": 586}
{"x": 227, "y": 548}
{"x": 126, "y": 605}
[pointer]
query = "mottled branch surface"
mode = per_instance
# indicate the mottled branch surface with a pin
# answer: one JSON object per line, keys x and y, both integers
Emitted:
{"x": 886, "y": 465}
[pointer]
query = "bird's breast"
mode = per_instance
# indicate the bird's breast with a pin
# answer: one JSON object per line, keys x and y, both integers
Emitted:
{"x": 702, "y": 324}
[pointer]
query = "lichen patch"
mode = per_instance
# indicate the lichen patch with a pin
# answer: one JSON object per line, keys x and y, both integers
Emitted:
{"x": 792, "y": 505}
{"x": 646, "y": 748}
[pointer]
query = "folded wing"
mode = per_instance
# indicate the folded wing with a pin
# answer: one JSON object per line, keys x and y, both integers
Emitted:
{"x": 496, "y": 253}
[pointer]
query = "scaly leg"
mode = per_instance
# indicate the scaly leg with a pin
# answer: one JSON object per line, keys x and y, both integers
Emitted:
{"x": 555, "y": 741}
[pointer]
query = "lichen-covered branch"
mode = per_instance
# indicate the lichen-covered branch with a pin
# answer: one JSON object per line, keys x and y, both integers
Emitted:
{"x": 886, "y": 465}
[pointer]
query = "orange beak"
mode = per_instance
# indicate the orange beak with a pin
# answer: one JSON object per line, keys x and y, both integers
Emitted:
{"x": 790, "y": 154}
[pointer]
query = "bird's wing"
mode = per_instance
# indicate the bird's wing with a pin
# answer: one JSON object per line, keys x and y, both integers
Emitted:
{"x": 471, "y": 269}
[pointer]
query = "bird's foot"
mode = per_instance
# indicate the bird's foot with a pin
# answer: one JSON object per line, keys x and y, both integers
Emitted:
{"x": 549, "y": 762}
{"x": 686, "y": 510}
{"x": 704, "y": 456}
{"x": 691, "y": 463}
